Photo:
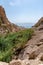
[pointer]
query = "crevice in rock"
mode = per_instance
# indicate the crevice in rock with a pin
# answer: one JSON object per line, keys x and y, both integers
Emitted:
{"x": 41, "y": 40}
{"x": 41, "y": 58}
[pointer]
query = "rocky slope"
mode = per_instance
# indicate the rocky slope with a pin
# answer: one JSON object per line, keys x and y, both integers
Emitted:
{"x": 35, "y": 45}
{"x": 32, "y": 54}
{"x": 5, "y": 25}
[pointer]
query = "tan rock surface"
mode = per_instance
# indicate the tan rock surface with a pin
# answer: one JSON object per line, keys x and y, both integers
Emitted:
{"x": 3, "y": 63}
{"x": 26, "y": 62}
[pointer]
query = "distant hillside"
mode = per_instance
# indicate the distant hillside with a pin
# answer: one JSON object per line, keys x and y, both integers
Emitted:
{"x": 5, "y": 25}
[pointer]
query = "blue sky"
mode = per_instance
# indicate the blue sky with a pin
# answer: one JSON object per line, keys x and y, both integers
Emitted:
{"x": 23, "y": 11}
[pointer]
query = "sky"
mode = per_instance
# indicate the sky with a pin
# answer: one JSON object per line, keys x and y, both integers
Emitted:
{"x": 23, "y": 11}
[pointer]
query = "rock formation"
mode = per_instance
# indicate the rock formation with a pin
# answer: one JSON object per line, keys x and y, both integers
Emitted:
{"x": 5, "y": 25}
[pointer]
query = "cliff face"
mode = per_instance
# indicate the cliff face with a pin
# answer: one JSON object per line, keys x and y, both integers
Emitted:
{"x": 5, "y": 25}
{"x": 3, "y": 16}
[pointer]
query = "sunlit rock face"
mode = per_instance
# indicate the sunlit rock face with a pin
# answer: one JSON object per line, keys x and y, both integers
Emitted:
{"x": 3, "y": 16}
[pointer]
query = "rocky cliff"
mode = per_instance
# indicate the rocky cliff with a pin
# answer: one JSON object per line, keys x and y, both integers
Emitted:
{"x": 5, "y": 25}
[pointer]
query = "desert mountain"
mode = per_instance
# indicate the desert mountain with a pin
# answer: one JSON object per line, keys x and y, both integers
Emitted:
{"x": 5, "y": 24}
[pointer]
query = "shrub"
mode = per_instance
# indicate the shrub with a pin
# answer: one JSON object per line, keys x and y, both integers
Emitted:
{"x": 13, "y": 40}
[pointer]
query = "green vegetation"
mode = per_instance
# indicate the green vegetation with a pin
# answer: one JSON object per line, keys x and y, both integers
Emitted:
{"x": 13, "y": 41}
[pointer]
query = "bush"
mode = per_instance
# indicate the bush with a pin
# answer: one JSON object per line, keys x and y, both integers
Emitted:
{"x": 13, "y": 40}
